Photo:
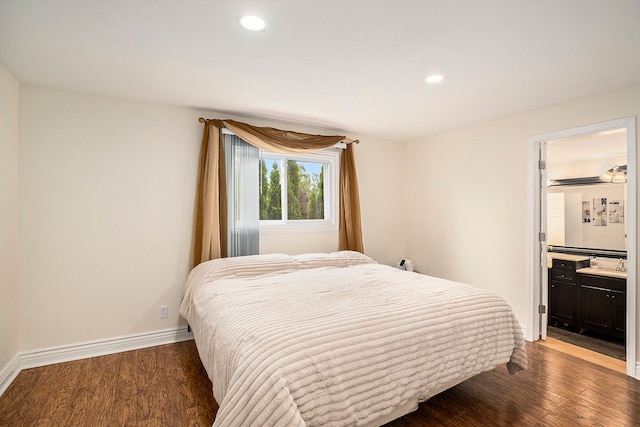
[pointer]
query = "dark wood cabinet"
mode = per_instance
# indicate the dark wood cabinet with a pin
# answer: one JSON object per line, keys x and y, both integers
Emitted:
{"x": 563, "y": 300}
{"x": 603, "y": 306}
{"x": 563, "y": 293}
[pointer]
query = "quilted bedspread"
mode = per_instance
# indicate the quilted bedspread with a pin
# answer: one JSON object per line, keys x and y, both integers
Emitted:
{"x": 338, "y": 339}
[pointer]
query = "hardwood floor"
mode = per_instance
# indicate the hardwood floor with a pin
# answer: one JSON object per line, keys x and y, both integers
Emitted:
{"x": 157, "y": 386}
{"x": 588, "y": 355}
{"x": 167, "y": 386}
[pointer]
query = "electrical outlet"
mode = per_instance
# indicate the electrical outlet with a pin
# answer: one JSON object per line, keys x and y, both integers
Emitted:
{"x": 164, "y": 311}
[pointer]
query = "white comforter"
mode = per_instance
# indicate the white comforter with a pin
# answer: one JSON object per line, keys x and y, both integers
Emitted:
{"x": 337, "y": 339}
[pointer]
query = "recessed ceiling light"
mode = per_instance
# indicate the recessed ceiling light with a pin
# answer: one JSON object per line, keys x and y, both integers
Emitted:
{"x": 253, "y": 23}
{"x": 434, "y": 78}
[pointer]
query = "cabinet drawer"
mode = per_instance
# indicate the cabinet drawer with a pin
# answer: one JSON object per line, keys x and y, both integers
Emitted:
{"x": 608, "y": 283}
{"x": 564, "y": 275}
{"x": 569, "y": 265}
{"x": 562, "y": 263}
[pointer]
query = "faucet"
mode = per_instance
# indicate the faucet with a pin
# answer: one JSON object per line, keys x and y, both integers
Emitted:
{"x": 620, "y": 266}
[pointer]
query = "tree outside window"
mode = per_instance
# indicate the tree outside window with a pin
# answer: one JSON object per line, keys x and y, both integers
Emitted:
{"x": 304, "y": 187}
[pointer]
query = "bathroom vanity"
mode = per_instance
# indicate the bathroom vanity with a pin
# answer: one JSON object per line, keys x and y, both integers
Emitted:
{"x": 602, "y": 302}
{"x": 583, "y": 298}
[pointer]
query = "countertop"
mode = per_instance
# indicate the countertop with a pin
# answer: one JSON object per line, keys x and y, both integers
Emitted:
{"x": 603, "y": 272}
{"x": 588, "y": 270}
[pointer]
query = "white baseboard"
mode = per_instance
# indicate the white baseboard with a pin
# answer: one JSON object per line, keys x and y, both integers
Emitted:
{"x": 9, "y": 373}
{"x": 67, "y": 353}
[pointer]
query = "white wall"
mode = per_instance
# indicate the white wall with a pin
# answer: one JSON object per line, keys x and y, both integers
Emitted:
{"x": 573, "y": 224}
{"x": 299, "y": 243}
{"x": 106, "y": 210}
{"x": 380, "y": 168}
{"x": 468, "y": 211}
{"x": 106, "y": 206}
{"x": 9, "y": 101}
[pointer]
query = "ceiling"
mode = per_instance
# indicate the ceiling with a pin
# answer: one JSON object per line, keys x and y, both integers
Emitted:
{"x": 586, "y": 155}
{"x": 610, "y": 144}
{"x": 351, "y": 66}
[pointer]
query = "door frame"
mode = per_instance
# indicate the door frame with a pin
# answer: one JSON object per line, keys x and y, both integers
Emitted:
{"x": 536, "y": 265}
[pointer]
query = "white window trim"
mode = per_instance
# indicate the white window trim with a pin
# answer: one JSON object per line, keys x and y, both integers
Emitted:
{"x": 329, "y": 156}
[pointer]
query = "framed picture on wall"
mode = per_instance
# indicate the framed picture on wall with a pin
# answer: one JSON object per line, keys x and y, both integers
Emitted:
{"x": 616, "y": 212}
{"x": 599, "y": 216}
{"x": 586, "y": 211}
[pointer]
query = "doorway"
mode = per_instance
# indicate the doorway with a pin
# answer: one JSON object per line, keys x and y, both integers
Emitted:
{"x": 538, "y": 298}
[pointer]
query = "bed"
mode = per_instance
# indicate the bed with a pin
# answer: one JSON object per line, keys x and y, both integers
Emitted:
{"x": 337, "y": 339}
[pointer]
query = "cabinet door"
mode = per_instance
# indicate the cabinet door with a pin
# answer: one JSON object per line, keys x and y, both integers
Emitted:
{"x": 595, "y": 309}
{"x": 562, "y": 302}
{"x": 619, "y": 301}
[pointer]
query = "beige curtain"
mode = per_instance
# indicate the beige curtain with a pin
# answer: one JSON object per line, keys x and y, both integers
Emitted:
{"x": 350, "y": 230}
{"x": 210, "y": 222}
{"x": 210, "y": 227}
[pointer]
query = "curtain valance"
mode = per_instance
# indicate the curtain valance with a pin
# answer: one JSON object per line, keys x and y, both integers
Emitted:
{"x": 277, "y": 140}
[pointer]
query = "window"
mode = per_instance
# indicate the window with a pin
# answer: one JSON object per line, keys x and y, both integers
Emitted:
{"x": 298, "y": 192}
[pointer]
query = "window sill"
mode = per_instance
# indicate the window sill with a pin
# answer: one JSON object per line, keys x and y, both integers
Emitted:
{"x": 295, "y": 228}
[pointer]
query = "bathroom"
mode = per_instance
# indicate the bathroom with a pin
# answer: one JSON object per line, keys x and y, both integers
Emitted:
{"x": 587, "y": 241}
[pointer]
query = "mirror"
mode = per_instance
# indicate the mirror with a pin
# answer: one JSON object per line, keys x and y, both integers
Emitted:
{"x": 587, "y": 216}
{"x": 581, "y": 211}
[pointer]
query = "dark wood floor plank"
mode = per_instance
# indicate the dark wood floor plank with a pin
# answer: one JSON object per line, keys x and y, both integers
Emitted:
{"x": 18, "y": 391}
{"x": 167, "y": 386}
{"x": 124, "y": 404}
{"x": 496, "y": 395}
{"x": 145, "y": 376}
{"x": 172, "y": 377}
{"x": 33, "y": 404}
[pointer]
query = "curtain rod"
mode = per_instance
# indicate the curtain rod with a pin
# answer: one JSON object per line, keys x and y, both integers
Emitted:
{"x": 203, "y": 120}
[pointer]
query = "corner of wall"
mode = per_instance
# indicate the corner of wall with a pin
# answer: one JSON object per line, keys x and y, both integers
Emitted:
{"x": 9, "y": 291}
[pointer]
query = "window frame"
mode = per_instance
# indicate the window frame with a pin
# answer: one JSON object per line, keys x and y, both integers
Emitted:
{"x": 331, "y": 158}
